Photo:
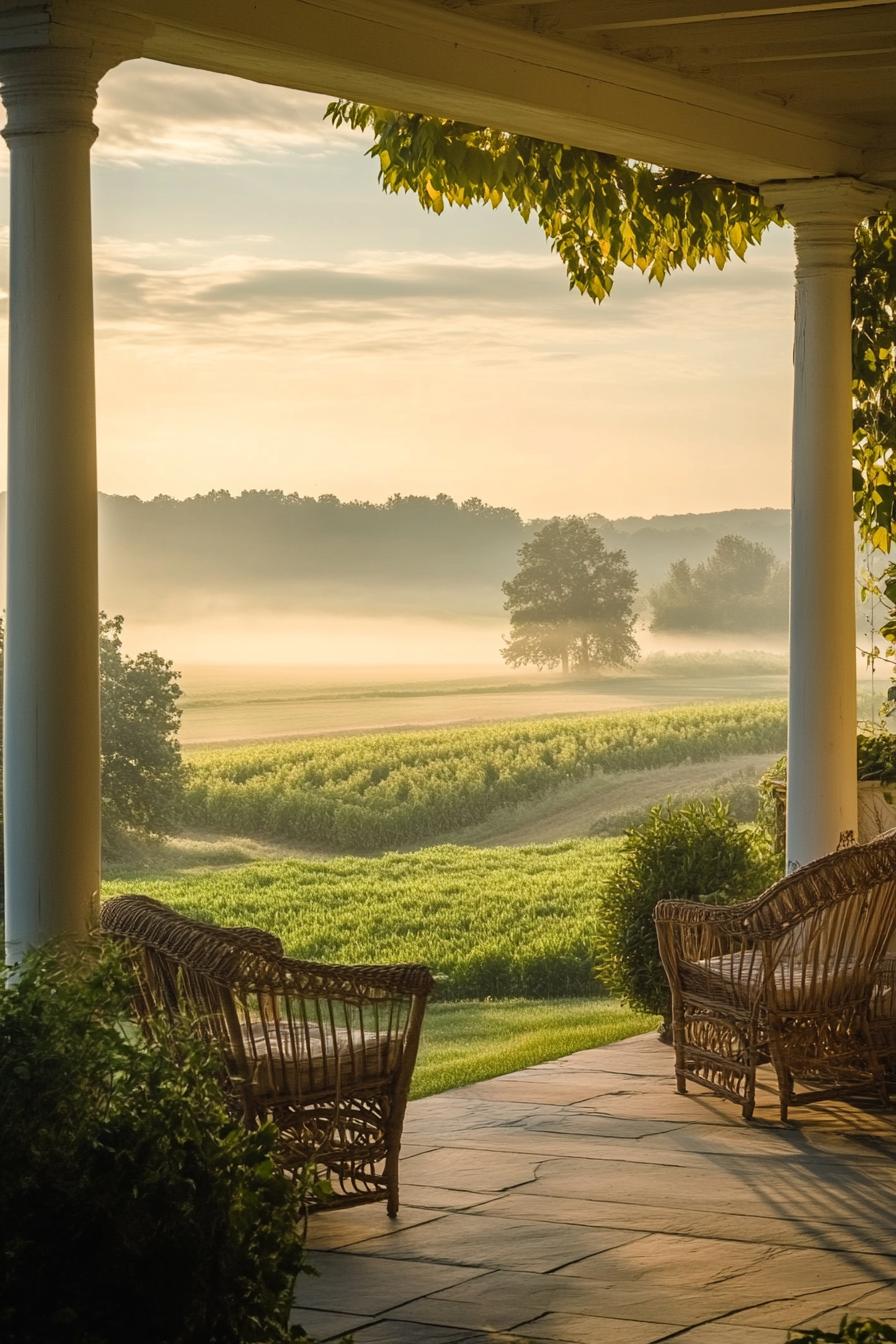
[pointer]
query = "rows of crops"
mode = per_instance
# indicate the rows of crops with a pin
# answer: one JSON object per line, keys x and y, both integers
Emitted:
{"x": 389, "y": 789}
{"x": 491, "y": 922}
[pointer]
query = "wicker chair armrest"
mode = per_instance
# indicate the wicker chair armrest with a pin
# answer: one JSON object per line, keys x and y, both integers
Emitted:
{"x": 689, "y": 913}
{"x": 321, "y": 980}
{"x": 692, "y": 932}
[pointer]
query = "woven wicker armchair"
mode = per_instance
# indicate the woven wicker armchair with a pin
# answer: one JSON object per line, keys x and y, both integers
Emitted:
{"x": 790, "y": 976}
{"x": 326, "y": 1052}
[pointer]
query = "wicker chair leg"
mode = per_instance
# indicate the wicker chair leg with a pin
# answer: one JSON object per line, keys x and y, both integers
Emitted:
{"x": 391, "y": 1174}
{"x": 784, "y": 1076}
{"x": 749, "y": 1101}
{"x": 678, "y": 1042}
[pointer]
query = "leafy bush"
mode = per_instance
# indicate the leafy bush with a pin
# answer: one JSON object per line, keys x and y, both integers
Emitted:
{"x": 133, "y": 1206}
{"x": 850, "y": 1332}
{"x": 694, "y": 852}
{"x": 142, "y": 771}
{"x": 875, "y": 753}
{"x": 390, "y": 789}
{"x": 738, "y": 790}
{"x": 143, "y": 775}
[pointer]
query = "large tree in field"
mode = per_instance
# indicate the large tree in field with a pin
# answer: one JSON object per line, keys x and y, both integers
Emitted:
{"x": 571, "y": 601}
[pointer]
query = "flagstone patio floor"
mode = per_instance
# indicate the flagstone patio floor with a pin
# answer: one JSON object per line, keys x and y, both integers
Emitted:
{"x": 584, "y": 1200}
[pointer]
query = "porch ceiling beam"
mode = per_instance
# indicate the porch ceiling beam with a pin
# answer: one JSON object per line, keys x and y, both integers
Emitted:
{"x": 788, "y": 31}
{"x": 424, "y": 58}
{"x": 610, "y": 14}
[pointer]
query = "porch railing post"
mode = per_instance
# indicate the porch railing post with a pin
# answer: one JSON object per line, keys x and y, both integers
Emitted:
{"x": 821, "y": 739}
{"x": 51, "y": 721}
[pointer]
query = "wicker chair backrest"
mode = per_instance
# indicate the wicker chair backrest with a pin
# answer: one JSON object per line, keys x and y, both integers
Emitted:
{"x": 827, "y": 926}
{"x": 287, "y": 1027}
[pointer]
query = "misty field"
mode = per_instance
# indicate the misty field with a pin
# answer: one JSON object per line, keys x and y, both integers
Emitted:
{"x": 225, "y": 706}
{"x": 385, "y": 790}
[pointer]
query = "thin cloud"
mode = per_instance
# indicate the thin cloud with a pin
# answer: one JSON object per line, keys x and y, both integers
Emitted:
{"x": 149, "y": 112}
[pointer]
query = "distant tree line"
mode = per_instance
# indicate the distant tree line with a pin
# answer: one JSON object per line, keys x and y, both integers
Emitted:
{"x": 168, "y": 559}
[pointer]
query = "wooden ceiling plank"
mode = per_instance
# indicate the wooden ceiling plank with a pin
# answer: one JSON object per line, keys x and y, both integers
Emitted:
{"x": 832, "y": 28}
{"x": 608, "y": 16}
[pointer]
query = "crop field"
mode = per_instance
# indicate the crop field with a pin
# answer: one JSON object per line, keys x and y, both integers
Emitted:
{"x": 380, "y": 791}
{"x": 497, "y": 923}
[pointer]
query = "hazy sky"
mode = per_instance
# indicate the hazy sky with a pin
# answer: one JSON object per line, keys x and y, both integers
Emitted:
{"x": 268, "y": 318}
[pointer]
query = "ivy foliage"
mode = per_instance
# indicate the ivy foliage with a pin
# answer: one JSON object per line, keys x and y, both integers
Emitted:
{"x": 874, "y": 383}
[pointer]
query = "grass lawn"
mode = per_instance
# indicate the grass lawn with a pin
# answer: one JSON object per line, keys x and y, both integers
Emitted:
{"x": 468, "y": 1041}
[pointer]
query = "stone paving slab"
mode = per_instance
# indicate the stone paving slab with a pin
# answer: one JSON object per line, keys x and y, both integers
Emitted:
{"x": 585, "y": 1201}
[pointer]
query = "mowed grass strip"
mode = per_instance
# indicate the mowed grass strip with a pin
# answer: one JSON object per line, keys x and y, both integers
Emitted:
{"x": 498, "y": 923}
{"x": 384, "y": 790}
{"x": 466, "y": 1042}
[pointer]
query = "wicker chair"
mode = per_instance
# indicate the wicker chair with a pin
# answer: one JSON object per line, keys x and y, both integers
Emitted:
{"x": 325, "y": 1052}
{"x": 791, "y": 976}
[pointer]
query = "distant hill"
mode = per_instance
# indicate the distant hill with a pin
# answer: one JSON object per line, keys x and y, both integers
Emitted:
{"x": 167, "y": 558}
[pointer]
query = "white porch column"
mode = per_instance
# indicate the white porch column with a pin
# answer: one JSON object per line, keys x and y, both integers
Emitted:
{"x": 51, "y": 780}
{"x": 821, "y": 740}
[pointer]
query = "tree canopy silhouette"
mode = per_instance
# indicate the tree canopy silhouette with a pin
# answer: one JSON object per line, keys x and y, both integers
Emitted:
{"x": 571, "y": 601}
{"x": 741, "y": 586}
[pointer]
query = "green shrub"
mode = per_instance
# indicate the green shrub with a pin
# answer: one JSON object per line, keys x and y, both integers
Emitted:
{"x": 693, "y": 852}
{"x": 133, "y": 1206}
{"x": 850, "y": 1332}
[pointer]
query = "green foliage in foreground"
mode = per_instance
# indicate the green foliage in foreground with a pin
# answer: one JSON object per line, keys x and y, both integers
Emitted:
{"x": 390, "y": 789}
{"x": 133, "y": 1206}
{"x": 466, "y": 1042}
{"x": 142, "y": 771}
{"x": 493, "y": 922}
{"x": 849, "y": 1332}
{"x": 693, "y": 852}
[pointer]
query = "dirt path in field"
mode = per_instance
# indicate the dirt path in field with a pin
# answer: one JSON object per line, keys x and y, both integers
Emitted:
{"x": 574, "y": 809}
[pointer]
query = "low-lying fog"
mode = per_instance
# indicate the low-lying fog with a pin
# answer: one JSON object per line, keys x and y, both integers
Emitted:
{"x": 310, "y": 638}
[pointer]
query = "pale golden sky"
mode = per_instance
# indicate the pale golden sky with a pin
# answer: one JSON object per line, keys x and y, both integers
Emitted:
{"x": 267, "y": 318}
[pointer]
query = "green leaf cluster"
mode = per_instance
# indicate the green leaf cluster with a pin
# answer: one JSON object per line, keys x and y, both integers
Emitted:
{"x": 597, "y": 211}
{"x": 133, "y": 1205}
